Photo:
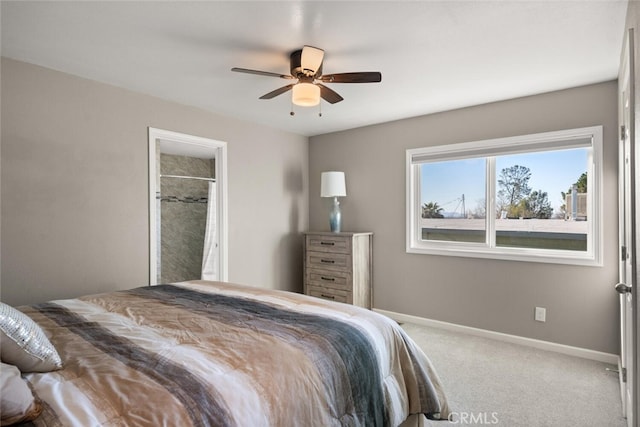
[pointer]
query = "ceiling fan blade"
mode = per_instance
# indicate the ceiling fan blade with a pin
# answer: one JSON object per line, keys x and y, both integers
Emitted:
{"x": 261, "y": 73}
{"x": 363, "y": 77}
{"x": 311, "y": 59}
{"x": 329, "y": 95}
{"x": 277, "y": 92}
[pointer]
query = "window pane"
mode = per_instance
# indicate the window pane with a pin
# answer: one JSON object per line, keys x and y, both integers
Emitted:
{"x": 534, "y": 201}
{"x": 452, "y": 200}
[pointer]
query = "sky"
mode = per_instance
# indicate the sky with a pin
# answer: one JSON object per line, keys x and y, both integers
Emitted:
{"x": 551, "y": 171}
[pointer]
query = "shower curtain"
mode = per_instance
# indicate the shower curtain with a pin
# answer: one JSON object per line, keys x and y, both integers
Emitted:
{"x": 210, "y": 252}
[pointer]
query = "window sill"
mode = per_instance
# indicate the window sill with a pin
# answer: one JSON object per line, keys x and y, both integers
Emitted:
{"x": 510, "y": 254}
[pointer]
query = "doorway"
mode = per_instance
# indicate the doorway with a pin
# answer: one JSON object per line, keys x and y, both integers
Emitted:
{"x": 187, "y": 208}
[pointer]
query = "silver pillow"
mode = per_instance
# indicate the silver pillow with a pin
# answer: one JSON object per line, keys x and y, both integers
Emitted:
{"x": 24, "y": 344}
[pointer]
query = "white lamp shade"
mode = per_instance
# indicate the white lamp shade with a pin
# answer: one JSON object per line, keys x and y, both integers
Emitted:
{"x": 332, "y": 184}
{"x": 306, "y": 94}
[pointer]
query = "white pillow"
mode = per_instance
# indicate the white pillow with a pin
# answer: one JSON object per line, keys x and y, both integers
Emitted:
{"x": 17, "y": 403}
{"x": 24, "y": 344}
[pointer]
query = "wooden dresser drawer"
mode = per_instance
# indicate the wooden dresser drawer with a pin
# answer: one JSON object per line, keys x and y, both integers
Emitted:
{"x": 333, "y": 244}
{"x": 329, "y": 294}
{"x": 339, "y": 267}
{"x": 331, "y": 279}
{"x": 328, "y": 261}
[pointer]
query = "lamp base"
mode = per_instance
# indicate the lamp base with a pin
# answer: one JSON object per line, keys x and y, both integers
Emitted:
{"x": 335, "y": 216}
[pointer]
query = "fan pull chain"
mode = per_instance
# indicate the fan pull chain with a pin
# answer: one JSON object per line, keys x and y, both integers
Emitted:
{"x": 320, "y": 109}
{"x": 292, "y": 113}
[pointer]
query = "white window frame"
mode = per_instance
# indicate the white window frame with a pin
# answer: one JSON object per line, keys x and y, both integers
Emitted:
{"x": 547, "y": 141}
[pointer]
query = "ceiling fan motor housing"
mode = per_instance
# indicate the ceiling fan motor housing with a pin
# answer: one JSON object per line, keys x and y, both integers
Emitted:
{"x": 296, "y": 67}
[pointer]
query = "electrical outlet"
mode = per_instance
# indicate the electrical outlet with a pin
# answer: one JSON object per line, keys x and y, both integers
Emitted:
{"x": 541, "y": 314}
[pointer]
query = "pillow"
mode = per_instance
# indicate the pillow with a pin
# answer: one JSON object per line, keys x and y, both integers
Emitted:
{"x": 17, "y": 401}
{"x": 24, "y": 344}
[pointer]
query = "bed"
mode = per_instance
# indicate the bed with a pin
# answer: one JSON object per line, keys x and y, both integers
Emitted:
{"x": 204, "y": 353}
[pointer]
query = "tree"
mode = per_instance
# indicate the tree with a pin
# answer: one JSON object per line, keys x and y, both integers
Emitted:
{"x": 535, "y": 205}
{"x": 514, "y": 186}
{"x": 581, "y": 186}
{"x": 581, "y": 183}
{"x": 538, "y": 205}
{"x": 432, "y": 210}
{"x": 480, "y": 210}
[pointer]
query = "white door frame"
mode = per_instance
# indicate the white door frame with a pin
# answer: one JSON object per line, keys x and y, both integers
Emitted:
{"x": 221, "y": 187}
{"x": 627, "y": 198}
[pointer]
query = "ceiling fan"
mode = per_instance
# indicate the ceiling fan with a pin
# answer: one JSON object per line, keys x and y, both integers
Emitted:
{"x": 306, "y": 67}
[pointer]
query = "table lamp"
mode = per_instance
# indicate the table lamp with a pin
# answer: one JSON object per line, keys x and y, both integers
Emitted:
{"x": 332, "y": 184}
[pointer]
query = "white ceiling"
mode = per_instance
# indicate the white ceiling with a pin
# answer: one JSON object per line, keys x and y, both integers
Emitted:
{"x": 433, "y": 55}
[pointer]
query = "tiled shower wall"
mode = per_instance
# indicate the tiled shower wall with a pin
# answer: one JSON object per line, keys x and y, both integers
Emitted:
{"x": 182, "y": 223}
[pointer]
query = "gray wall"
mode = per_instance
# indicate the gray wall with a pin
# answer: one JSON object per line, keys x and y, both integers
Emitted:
{"x": 75, "y": 188}
{"x": 496, "y": 295}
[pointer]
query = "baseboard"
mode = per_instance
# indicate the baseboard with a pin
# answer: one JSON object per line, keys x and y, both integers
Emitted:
{"x": 599, "y": 356}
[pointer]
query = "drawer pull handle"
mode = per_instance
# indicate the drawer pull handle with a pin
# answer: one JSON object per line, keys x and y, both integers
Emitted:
{"x": 327, "y": 243}
{"x": 327, "y": 296}
{"x": 328, "y": 261}
{"x": 328, "y": 279}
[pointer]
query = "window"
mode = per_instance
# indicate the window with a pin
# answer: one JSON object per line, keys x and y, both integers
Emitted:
{"x": 526, "y": 198}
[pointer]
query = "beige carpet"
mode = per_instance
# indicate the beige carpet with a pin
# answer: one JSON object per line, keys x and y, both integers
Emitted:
{"x": 490, "y": 382}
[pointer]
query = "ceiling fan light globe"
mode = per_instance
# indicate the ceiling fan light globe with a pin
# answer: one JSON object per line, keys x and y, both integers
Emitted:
{"x": 306, "y": 95}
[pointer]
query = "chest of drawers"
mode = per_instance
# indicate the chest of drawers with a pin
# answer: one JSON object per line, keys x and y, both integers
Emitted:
{"x": 338, "y": 267}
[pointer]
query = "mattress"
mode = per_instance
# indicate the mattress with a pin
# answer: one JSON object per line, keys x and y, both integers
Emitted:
{"x": 217, "y": 354}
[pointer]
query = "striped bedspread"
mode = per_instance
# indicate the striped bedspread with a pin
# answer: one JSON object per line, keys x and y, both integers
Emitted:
{"x": 214, "y": 354}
